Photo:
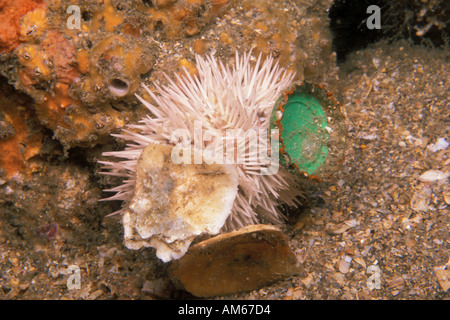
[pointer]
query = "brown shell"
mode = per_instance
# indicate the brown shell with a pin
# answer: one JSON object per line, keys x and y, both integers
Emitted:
{"x": 234, "y": 262}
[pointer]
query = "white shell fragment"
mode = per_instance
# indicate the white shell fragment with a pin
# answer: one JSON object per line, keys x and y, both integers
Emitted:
{"x": 344, "y": 264}
{"x": 441, "y": 144}
{"x": 341, "y": 227}
{"x": 442, "y": 274}
{"x": 433, "y": 175}
{"x": 174, "y": 203}
{"x": 420, "y": 200}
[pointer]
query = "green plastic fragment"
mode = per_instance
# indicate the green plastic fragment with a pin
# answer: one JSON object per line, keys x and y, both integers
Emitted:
{"x": 303, "y": 132}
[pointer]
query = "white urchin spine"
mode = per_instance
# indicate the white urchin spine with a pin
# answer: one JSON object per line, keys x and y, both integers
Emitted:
{"x": 221, "y": 98}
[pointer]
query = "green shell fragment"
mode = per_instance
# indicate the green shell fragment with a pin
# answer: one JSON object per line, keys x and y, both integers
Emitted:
{"x": 301, "y": 116}
{"x": 304, "y": 132}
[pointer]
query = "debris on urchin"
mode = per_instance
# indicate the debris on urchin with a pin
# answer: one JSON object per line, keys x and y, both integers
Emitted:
{"x": 174, "y": 203}
{"x": 205, "y": 114}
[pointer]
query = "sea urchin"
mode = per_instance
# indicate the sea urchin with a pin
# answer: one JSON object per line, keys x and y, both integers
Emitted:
{"x": 218, "y": 100}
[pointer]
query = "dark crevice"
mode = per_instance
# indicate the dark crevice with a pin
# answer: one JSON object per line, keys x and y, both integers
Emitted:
{"x": 421, "y": 23}
{"x": 148, "y": 3}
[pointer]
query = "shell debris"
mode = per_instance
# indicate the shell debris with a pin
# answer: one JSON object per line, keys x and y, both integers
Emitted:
{"x": 238, "y": 261}
{"x": 172, "y": 204}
